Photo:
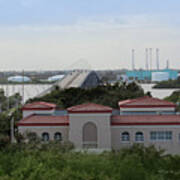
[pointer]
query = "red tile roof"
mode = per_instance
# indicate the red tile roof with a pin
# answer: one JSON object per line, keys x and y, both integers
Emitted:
{"x": 89, "y": 108}
{"x": 123, "y": 120}
{"x": 145, "y": 102}
{"x": 39, "y": 106}
{"x": 44, "y": 120}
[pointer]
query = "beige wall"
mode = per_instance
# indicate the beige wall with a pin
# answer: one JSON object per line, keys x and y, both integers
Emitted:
{"x": 102, "y": 122}
{"x": 107, "y": 136}
{"x": 172, "y": 146}
{"x": 64, "y": 130}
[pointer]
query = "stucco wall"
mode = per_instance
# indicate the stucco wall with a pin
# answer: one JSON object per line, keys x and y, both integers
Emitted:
{"x": 64, "y": 130}
{"x": 102, "y": 122}
{"x": 171, "y": 146}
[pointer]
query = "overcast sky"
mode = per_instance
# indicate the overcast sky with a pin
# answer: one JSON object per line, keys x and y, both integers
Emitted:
{"x": 97, "y": 34}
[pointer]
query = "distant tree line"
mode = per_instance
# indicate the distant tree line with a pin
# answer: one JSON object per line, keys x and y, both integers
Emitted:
{"x": 168, "y": 84}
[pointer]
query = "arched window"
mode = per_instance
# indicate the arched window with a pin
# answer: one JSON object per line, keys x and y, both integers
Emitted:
{"x": 139, "y": 137}
{"x": 125, "y": 136}
{"x": 58, "y": 136}
{"x": 45, "y": 136}
{"x": 90, "y": 135}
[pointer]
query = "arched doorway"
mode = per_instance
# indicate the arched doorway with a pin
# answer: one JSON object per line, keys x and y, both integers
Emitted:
{"x": 89, "y": 135}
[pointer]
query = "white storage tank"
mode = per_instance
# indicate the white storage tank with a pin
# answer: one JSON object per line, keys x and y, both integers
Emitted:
{"x": 55, "y": 78}
{"x": 160, "y": 76}
{"x": 19, "y": 79}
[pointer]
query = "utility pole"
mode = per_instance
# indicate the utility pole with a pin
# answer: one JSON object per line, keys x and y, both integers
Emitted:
{"x": 23, "y": 88}
{"x": 13, "y": 140}
{"x": 7, "y": 95}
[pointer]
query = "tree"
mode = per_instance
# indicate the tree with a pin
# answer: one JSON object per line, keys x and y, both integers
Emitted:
{"x": 106, "y": 95}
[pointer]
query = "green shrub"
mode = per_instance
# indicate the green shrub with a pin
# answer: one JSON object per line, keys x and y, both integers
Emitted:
{"x": 56, "y": 161}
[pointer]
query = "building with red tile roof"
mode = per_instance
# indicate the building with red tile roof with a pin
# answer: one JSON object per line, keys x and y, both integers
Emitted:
{"x": 126, "y": 120}
{"x": 143, "y": 120}
{"x": 44, "y": 120}
{"x": 39, "y": 106}
{"x": 145, "y": 102}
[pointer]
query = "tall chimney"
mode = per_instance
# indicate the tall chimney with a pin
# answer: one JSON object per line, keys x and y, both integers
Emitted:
{"x": 150, "y": 57}
{"x": 157, "y": 58}
{"x": 133, "y": 61}
{"x": 147, "y": 59}
{"x": 167, "y": 64}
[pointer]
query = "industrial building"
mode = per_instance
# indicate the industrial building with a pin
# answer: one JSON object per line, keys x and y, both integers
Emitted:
{"x": 145, "y": 120}
{"x": 152, "y": 75}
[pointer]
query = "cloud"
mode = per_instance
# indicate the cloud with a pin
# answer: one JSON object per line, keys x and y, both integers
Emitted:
{"x": 94, "y": 24}
{"x": 104, "y": 41}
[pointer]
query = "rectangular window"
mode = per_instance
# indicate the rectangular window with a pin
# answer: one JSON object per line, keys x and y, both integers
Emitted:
{"x": 153, "y": 135}
{"x": 161, "y": 135}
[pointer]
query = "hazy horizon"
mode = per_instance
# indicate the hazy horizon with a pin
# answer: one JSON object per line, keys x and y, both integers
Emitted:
{"x": 52, "y": 35}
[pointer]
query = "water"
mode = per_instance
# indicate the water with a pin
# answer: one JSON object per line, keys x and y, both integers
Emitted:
{"x": 31, "y": 91}
{"x": 158, "y": 93}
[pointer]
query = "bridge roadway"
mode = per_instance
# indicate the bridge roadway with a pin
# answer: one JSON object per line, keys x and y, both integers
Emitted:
{"x": 73, "y": 79}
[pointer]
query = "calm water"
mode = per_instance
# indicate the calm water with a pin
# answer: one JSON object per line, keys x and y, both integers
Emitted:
{"x": 31, "y": 91}
{"x": 159, "y": 93}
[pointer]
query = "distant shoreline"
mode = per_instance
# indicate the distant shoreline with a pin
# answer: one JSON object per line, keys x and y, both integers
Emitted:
{"x": 27, "y": 83}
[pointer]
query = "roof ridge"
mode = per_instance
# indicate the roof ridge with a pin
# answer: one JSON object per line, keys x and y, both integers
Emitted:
{"x": 41, "y": 104}
{"x": 135, "y": 99}
{"x": 144, "y": 97}
{"x": 163, "y": 100}
{"x": 88, "y": 103}
{"x": 88, "y": 107}
{"x": 26, "y": 118}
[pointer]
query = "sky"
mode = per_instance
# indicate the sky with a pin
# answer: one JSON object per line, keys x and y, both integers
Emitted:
{"x": 91, "y": 34}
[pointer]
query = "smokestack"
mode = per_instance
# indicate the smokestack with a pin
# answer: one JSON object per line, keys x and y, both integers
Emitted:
{"x": 167, "y": 64}
{"x": 157, "y": 58}
{"x": 133, "y": 61}
{"x": 147, "y": 59}
{"x": 150, "y": 57}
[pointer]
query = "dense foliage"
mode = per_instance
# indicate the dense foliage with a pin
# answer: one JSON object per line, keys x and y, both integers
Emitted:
{"x": 107, "y": 95}
{"x": 175, "y": 98}
{"x": 10, "y": 107}
{"x": 168, "y": 84}
{"x": 53, "y": 161}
